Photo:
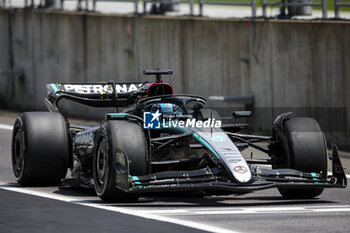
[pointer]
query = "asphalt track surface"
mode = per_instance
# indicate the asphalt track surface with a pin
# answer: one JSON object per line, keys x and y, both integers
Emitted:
{"x": 64, "y": 209}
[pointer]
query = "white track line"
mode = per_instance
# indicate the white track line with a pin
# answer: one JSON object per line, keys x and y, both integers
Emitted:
{"x": 252, "y": 210}
{"x": 276, "y": 210}
{"x": 154, "y": 214}
{"x": 141, "y": 214}
{"x": 7, "y": 127}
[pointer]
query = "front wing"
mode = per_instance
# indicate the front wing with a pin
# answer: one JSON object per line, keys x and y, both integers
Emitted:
{"x": 213, "y": 179}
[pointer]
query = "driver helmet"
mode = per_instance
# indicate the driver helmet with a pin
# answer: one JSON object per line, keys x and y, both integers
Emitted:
{"x": 167, "y": 108}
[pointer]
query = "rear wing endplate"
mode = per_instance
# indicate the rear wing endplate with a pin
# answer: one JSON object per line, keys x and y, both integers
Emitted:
{"x": 96, "y": 94}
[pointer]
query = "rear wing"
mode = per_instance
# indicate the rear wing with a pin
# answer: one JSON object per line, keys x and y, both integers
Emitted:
{"x": 108, "y": 94}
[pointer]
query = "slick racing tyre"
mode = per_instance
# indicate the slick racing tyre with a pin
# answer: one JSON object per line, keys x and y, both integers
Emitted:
{"x": 114, "y": 137}
{"x": 40, "y": 148}
{"x": 307, "y": 152}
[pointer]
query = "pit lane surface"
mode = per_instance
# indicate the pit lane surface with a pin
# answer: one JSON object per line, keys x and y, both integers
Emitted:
{"x": 58, "y": 209}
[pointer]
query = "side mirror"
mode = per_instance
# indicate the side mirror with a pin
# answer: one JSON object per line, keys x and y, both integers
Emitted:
{"x": 241, "y": 114}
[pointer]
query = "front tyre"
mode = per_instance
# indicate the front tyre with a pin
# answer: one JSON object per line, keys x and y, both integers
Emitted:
{"x": 306, "y": 152}
{"x": 117, "y": 136}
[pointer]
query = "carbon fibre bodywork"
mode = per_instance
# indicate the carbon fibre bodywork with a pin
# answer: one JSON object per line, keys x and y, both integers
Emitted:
{"x": 182, "y": 159}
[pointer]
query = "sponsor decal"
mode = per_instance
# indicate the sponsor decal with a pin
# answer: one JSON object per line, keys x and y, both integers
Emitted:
{"x": 234, "y": 160}
{"x": 120, "y": 88}
{"x": 234, "y": 154}
{"x": 218, "y": 138}
{"x": 240, "y": 169}
{"x": 101, "y": 88}
{"x": 231, "y": 156}
{"x": 225, "y": 149}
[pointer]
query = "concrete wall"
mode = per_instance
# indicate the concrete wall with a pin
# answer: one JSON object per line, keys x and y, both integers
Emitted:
{"x": 5, "y": 60}
{"x": 283, "y": 63}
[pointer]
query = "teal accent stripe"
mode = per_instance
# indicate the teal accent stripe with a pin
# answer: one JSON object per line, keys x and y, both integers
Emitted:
{"x": 54, "y": 87}
{"x": 135, "y": 179}
{"x": 313, "y": 174}
{"x": 206, "y": 144}
{"x": 117, "y": 114}
{"x": 243, "y": 112}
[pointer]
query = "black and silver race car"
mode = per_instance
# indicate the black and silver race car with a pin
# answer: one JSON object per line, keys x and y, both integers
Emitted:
{"x": 162, "y": 142}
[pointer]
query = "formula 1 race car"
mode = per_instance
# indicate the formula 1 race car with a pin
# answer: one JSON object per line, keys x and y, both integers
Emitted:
{"x": 163, "y": 142}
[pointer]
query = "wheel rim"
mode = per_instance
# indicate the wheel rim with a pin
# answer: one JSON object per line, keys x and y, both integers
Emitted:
{"x": 18, "y": 158}
{"x": 102, "y": 164}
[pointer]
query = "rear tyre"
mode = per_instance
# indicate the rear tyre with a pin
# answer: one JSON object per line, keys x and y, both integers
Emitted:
{"x": 118, "y": 136}
{"x": 40, "y": 148}
{"x": 307, "y": 152}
